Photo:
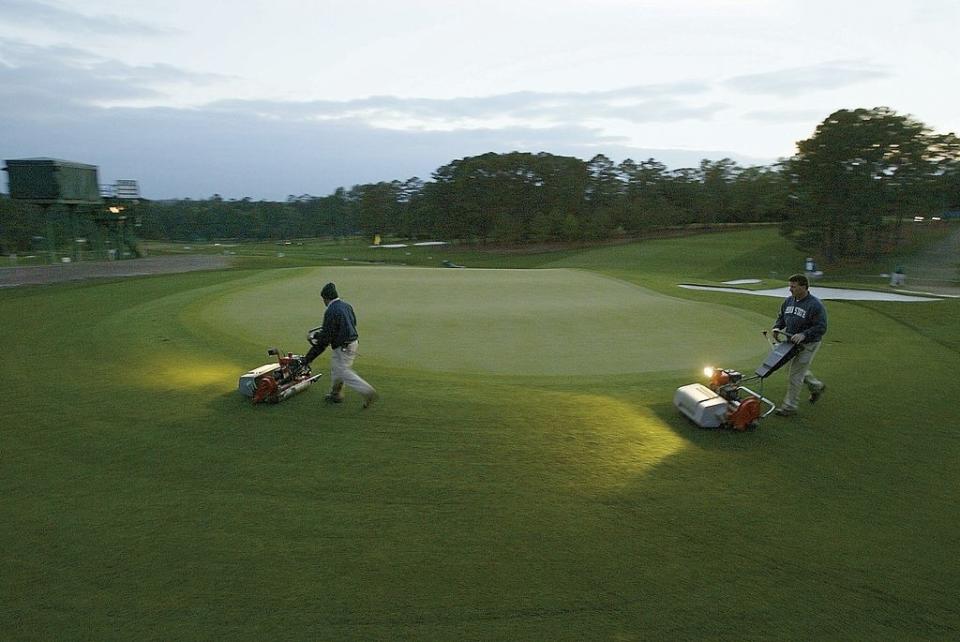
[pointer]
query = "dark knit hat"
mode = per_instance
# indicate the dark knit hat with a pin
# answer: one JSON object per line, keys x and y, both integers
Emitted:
{"x": 329, "y": 292}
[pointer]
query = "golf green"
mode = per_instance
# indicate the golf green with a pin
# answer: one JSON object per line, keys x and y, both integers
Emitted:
{"x": 557, "y": 322}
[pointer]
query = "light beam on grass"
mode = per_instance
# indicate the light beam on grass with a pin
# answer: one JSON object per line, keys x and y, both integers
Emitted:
{"x": 178, "y": 372}
{"x": 613, "y": 440}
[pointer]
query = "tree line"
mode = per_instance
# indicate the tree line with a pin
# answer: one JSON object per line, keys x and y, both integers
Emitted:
{"x": 502, "y": 198}
{"x": 845, "y": 193}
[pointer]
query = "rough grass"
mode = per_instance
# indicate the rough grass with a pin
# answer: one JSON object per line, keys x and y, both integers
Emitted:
{"x": 141, "y": 498}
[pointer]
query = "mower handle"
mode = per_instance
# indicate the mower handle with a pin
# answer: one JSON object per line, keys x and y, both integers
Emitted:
{"x": 774, "y": 340}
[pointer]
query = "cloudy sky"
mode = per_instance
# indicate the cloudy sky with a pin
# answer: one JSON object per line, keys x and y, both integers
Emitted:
{"x": 266, "y": 99}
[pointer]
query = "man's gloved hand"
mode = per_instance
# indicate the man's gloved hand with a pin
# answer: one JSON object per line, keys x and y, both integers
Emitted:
{"x": 798, "y": 337}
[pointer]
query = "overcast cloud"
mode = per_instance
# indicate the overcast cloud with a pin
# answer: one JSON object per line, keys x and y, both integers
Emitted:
{"x": 260, "y": 100}
{"x": 800, "y": 80}
{"x": 49, "y": 16}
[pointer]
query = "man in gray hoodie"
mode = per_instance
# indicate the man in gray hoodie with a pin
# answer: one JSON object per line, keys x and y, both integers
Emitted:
{"x": 802, "y": 320}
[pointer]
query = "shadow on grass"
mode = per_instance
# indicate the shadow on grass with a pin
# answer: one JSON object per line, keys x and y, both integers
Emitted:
{"x": 228, "y": 402}
{"x": 234, "y": 404}
{"x": 722, "y": 439}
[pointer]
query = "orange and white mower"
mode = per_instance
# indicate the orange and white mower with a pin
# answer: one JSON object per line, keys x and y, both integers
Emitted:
{"x": 275, "y": 382}
{"x": 726, "y": 402}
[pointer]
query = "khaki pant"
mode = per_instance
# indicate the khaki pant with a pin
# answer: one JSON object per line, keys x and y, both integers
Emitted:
{"x": 341, "y": 371}
{"x": 800, "y": 374}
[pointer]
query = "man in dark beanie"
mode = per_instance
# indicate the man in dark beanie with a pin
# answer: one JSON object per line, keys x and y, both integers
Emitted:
{"x": 339, "y": 331}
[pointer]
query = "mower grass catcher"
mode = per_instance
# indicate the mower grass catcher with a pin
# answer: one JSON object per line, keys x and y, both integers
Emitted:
{"x": 726, "y": 402}
{"x": 274, "y": 382}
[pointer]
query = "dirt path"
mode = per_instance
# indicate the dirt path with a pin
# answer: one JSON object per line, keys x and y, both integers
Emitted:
{"x": 40, "y": 274}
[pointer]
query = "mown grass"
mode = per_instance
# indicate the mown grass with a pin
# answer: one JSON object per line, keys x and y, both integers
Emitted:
{"x": 142, "y": 498}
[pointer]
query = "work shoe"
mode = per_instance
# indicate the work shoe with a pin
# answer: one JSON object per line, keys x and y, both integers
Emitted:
{"x": 369, "y": 399}
{"x": 783, "y": 411}
{"x": 817, "y": 393}
{"x": 332, "y": 398}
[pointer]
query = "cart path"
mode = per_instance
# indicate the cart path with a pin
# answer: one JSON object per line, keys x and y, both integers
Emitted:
{"x": 42, "y": 274}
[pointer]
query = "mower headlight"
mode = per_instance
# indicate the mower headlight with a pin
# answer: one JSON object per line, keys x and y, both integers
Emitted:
{"x": 708, "y": 372}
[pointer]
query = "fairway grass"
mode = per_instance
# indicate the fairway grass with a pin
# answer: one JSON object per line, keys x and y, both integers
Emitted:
{"x": 142, "y": 498}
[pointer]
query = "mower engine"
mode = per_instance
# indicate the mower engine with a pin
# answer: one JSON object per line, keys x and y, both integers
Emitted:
{"x": 275, "y": 382}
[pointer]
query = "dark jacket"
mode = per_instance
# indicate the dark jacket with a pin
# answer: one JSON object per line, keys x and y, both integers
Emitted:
{"x": 339, "y": 328}
{"x": 807, "y": 316}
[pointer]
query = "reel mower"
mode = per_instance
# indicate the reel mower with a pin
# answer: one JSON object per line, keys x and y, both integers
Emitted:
{"x": 275, "y": 382}
{"x": 726, "y": 402}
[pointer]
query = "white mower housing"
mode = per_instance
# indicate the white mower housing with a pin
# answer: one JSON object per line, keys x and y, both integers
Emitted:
{"x": 701, "y": 405}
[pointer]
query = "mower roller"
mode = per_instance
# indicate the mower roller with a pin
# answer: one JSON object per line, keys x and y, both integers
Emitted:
{"x": 275, "y": 382}
{"x": 726, "y": 402}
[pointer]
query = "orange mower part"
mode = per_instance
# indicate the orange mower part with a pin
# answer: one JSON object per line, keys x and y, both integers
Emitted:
{"x": 746, "y": 414}
{"x": 719, "y": 378}
{"x": 266, "y": 388}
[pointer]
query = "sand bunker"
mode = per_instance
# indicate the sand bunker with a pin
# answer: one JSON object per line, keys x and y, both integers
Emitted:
{"x": 822, "y": 293}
